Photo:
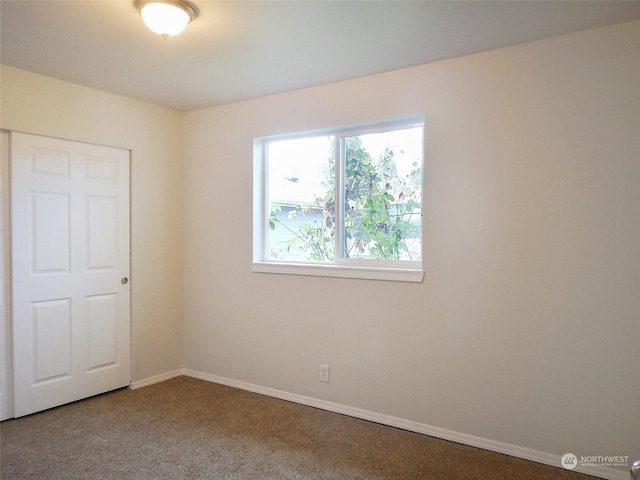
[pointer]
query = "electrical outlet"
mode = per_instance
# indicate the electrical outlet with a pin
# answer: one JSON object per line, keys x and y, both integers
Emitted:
{"x": 324, "y": 373}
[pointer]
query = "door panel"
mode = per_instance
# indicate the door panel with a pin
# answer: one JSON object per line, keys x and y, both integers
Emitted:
{"x": 70, "y": 250}
{"x": 103, "y": 330}
{"x": 102, "y": 232}
{"x": 50, "y": 232}
{"x": 6, "y": 373}
{"x": 52, "y": 339}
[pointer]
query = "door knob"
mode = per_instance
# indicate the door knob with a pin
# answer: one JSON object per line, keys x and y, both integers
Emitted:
{"x": 635, "y": 470}
{"x": 124, "y": 280}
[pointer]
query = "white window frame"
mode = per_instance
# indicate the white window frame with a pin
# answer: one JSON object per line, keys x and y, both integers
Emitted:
{"x": 392, "y": 270}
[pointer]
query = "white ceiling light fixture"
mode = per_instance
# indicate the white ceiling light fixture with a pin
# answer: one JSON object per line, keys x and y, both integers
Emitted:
{"x": 166, "y": 17}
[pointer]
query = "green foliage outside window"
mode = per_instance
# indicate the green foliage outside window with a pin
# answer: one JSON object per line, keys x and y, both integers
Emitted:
{"x": 382, "y": 209}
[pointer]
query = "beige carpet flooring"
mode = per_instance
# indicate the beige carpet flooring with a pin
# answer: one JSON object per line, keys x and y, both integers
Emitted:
{"x": 191, "y": 429}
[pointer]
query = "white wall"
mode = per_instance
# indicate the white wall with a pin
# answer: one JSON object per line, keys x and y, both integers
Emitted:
{"x": 45, "y": 106}
{"x": 525, "y": 330}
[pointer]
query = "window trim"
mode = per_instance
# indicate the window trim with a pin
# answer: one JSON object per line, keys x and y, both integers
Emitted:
{"x": 390, "y": 270}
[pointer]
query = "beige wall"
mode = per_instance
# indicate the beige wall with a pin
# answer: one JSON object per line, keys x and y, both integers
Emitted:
{"x": 525, "y": 328}
{"x": 524, "y": 331}
{"x": 45, "y": 106}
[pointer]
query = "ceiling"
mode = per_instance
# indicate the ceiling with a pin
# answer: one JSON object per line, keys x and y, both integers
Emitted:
{"x": 237, "y": 50}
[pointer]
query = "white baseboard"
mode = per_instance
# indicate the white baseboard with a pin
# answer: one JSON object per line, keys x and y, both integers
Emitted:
{"x": 156, "y": 379}
{"x": 462, "y": 438}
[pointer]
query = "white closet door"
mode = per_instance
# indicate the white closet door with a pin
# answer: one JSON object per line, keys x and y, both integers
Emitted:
{"x": 70, "y": 269}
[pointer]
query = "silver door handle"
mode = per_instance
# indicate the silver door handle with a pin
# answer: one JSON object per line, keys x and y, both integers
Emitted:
{"x": 124, "y": 280}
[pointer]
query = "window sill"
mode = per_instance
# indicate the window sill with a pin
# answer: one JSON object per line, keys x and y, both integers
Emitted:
{"x": 341, "y": 271}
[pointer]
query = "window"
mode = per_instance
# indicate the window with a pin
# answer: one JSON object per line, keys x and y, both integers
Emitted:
{"x": 343, "y": 202}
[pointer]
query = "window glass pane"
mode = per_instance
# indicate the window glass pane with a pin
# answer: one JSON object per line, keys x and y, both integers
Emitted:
{"x": 383, "y": 195}
{"x": 301, "y": 199}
